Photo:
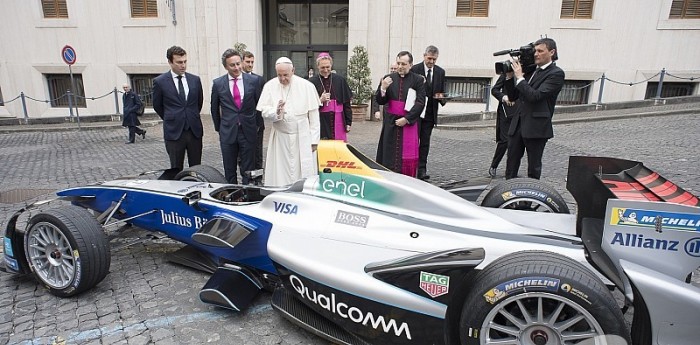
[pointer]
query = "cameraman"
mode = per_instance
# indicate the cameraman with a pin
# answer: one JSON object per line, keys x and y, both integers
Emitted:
{"x": 535, "y": 94}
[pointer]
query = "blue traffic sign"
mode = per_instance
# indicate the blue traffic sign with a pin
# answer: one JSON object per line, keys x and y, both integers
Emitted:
{"x": 68, "y": 55}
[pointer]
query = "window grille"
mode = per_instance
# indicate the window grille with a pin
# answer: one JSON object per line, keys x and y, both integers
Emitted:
{"x": 59, "y": 84}
{"x": 54, "y": 8}
{"x": 472, "y": 8}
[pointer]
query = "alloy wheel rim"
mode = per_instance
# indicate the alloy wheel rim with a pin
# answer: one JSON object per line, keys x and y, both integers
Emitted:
{"x": 527, "y": 204}
{"x": 51, "y": 255}
{"x": 539, "y": 318}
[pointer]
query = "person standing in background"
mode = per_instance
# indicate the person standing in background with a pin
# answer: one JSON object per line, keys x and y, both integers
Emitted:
{"x": 234, "y": 97}
{"x": 504, "y": 114}
{"x": 403, "y": 95}
{"x": 335, "y": 96}
{"x": 248, "y": 64}
{"x": 535, "y": 94}
{"x": 178, "y": 99}
{"x": 132, "y": 104}
{"x": 434, "y": 85}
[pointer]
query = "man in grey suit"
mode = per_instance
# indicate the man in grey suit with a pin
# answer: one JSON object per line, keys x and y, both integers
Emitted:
{"x": 234, "y": 97}
{"x": 178, "y": 99}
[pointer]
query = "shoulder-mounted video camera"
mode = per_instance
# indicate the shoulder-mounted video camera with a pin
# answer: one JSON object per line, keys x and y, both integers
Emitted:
{"x": 526, "y": 55}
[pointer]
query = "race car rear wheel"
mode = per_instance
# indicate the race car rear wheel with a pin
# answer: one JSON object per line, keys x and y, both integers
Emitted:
{"x": 201, "y": 173}
{"x": 67, "y": 250}
{"x": 525, "y": 194}
{"x": 542, "y": 298}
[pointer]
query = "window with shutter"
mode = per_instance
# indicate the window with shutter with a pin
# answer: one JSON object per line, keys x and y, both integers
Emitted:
{"x": 576, "y": 9}
{"x": 472, "y": 8}
{"x": 685, "y": 9}
{"x": 144, "y": 8}
{"x": 54, "y": 8}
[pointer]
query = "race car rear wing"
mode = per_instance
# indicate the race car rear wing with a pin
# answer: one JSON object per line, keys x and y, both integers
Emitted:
{"x": 594, "y": 180}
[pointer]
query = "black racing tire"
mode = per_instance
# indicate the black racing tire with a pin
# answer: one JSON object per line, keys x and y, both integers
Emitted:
{"x": 560, "y": 289}
{"x": 201, "y": 173}
{"x": 67, "y": 250}
{"x": 525, "y": 194}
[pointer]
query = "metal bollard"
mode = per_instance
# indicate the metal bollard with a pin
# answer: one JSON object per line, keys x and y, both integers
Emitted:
{"x": 116, "y": 101}
{"x": 70, "y": 104}
{"x": 600, "y": 90}
{"x": 661, "y": 83}
{"x": 24, "y": 108}
{"x": 488, "y": 96}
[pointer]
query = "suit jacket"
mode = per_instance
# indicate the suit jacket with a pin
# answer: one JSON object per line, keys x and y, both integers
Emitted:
{"x": 226, "y": 115}
{"x": 535, "y": 101}
{"x": 258, "y": 115}
{"x": 504, "y": 112}
{"x": 132, "y": 103}
{"x": 431, "y": 108}
{"x": 175, "y": 112}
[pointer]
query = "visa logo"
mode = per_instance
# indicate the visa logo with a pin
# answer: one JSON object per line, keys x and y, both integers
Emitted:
{"x": 285, "y": 208}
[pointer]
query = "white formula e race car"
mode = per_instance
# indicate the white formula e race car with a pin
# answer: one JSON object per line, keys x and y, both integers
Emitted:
{"x": 361, "y": 255}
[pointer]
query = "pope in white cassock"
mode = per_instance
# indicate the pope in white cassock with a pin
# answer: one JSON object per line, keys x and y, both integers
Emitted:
{"x": 292, "y": 104}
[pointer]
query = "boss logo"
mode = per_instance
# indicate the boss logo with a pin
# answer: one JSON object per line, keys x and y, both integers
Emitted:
{"x": 352, "y": 219}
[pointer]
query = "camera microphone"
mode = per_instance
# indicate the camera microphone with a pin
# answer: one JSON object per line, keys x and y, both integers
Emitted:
{"x": 502, "y": 52}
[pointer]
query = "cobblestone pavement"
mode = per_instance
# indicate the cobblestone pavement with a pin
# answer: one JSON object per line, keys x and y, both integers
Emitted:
{"x": 147, "y": 300}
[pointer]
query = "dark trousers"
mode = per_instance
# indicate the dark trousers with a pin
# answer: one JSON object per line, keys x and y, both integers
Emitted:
{"x": 232, "y": 152}
{"x": 259, "y": 148}
{"x": 517, "y": 145}
{"x": 501, "y": 140}
{"x": 426, "y": 130}
{"x": 187, "y": 143}
{"x": 133, "y": 130}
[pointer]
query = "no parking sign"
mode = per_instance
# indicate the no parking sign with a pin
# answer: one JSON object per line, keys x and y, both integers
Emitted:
{"x": 68, "y": 55}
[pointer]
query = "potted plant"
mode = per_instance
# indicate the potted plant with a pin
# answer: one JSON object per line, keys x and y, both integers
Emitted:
{"x": 360, "y": 82}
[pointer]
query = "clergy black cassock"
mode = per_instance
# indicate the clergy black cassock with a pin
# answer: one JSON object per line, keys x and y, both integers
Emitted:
{"x": 336, "y": 113}
{"x": 398, "y": 146}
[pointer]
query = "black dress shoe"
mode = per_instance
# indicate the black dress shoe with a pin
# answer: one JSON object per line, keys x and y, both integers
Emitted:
{"x": 492, "y": 172}
{"x": 129, "y": 142}
{"x": 143, "y": 134}
{"x": 423, "y": 177}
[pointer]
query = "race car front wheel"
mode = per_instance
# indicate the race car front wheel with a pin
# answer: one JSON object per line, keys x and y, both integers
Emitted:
{"x": 540, "y": 298}
{"x": 67, "y": 250}
{"x": 525, "y": 194}
{"x": 201, "y": 173}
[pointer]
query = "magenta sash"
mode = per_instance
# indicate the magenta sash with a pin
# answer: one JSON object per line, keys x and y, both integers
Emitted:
{"x": 409, "y": 151}
{"x": 338, "y": 124}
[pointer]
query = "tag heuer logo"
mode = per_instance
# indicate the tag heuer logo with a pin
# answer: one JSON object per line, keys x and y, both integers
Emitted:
{"x": 434, "y": 284}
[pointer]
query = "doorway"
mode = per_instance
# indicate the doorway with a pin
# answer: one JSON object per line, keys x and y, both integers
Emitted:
{"x": 302, "y": 29}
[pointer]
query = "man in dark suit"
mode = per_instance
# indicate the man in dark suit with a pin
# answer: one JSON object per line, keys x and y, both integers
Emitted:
{"x": 504, "y": 115}
{"x": 248, "y": 64}
{"x": 434, "y": 84}
{"x": 178, "y": 99}
{"x": 535, "y": 94}
{"x": 132, "y": 104}
{"x": 234, "y": 97}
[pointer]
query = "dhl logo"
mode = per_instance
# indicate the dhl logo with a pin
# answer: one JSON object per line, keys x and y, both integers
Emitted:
{"x": 341, "y": 165}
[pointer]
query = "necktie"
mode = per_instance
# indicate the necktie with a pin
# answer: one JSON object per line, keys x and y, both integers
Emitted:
{"x": 181, "y": 88}
{"x": 430, "y": 76}
{"x": 533, "y": 75}
{"x": 236, "y": 93}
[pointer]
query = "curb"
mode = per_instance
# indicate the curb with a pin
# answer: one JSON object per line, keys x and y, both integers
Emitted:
{"x": 73, "y": 128}
{"x": 577, "y": 120}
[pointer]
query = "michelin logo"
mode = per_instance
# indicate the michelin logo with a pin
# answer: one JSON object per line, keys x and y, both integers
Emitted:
{"x": 648, "y": 218}
{"x": 502, "y": 290}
